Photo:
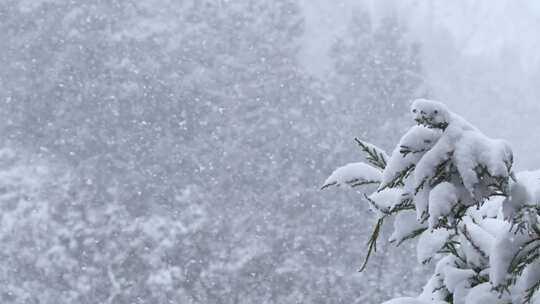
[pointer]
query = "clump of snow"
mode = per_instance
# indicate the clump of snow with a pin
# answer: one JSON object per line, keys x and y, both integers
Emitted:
{"x": 417, "y": 140}
{"x": 353, "y": 173}
{"x": 482, "y": 294}
{"x": 525, "y": 191}
{"x": 492, "y": 208}
{"x": 441, "y": 200}
{"x": 425, "y": 171}
{"x": 457, "y": 280}
{"x": 435, "y": 114}
{"x": 430, "y": 243}
{"x": 430, "y": 113}
{"x": 433, "y": 290}
{"x": 475, "y": 241}
{"x": 385, "y": 200}
{"x": 460, "y": 145}
{"x": 405, "y": 224}
{"x": 530, "y": 277}
{"x": 503, "y": 251}
{"x": 474, "y": 149}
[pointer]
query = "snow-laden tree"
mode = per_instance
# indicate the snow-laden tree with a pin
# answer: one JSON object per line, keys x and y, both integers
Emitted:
{"x": 453, "y": 188}
{"x": 63, "y": 244}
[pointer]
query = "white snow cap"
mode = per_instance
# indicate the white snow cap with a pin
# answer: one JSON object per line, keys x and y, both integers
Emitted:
{"x": 441, "y": 200}
{"x": 385, "y": 200}
{"x": 482, "y": 294}
{"x": 353, "y": 173}
{"x": 430, "y": 243}
{"x": 430, "y": 113}
{"x": 405, "y": 224}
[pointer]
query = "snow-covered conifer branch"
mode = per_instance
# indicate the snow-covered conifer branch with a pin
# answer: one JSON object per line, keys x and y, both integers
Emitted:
{"x": 474, "y": 215}
{"x": 530, "y": 292}
{"x": 372, "y": 243}
{"x": 398, "y": 179}
{"x": 412, "y": 235}
{"x": 468, "y": 237}
{"x": 354, "y": 175}
{"x": 375, "y": 155}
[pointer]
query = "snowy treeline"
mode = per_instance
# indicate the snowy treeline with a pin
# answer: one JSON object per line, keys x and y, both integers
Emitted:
{"x": 455, "y": 189}
{"x": 170, "y": 152}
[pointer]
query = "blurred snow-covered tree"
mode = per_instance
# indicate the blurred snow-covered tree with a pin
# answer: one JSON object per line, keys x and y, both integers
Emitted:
{"x": 377, "y": 72}
{"x": 62, "y": 245}
{"x": 167, "y": 115}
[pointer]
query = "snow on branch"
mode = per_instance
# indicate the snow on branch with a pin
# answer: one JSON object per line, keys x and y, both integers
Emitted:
{"x": 474, "y": 215}
{"x": 374, "y": 155}
{"x": 354, "y": 175}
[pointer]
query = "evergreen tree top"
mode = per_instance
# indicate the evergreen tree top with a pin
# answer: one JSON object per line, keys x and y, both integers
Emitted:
{"x": 453, "y": 188}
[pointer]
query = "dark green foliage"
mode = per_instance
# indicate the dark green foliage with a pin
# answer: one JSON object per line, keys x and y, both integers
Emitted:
{"x": 404, "y": 150}
{"x": 444, "y": 171}
{"x": 519, "y": 222}
{"x": 372, "y": 243}
{"x": 450, "y": 247}
{"x": 374, "y": 156}
{"x": 527, "y": 254}
{"x": 428, "y": 123}
{"x": 531, "y": 292}
{"x": 399, "y": 178}
{"x": 414, "y": 234}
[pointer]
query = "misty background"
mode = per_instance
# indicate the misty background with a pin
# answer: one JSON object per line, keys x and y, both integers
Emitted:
{"x": 172, "y": 151}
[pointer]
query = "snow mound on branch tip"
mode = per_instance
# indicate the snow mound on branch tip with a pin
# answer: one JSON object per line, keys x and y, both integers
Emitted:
{"x": 353, "y": 173}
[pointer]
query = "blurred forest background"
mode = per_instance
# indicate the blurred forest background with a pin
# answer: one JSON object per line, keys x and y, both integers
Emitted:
{"x": 172, "y": 151}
